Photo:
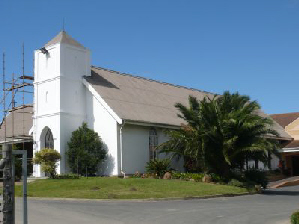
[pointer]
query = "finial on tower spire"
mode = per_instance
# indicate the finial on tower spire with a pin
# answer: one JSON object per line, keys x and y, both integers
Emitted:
{"x": 63, "y": 29}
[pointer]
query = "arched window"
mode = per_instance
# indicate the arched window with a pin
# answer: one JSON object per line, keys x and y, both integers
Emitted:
{"x": 49, "y": 141}
{"x": 153, "y": 143}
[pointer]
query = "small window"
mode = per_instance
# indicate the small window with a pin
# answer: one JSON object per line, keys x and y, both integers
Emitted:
{"x": 47, "y": 97}
{"x": 153, "y": 143}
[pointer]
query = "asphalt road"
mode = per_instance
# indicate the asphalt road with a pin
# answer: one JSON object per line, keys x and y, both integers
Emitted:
{"x": 275, "y": 206}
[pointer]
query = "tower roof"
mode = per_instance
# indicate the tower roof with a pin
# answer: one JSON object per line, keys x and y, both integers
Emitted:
{"x": 63, "y": 37}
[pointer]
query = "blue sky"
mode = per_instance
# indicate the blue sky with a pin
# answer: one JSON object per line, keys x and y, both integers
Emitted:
{"x": 237, "y": 45}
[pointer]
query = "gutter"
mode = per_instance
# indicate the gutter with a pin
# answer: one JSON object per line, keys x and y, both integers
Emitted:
{"x": 278, "y": 138}
{"x": 148, "y": 124}
{"x": 121, "y": 146}
{"x": 15, "y": 141}
{"x": 286, "y": 150}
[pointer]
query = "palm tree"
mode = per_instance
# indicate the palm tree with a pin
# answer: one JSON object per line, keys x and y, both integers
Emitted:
{"x": 190, "y": 141}
{"x": 220, "y": 133}
{"x": 185, "y": 143}
{"x": 243, "y": 130}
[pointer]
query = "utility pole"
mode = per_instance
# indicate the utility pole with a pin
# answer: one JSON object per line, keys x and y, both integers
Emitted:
{"x": 8, "y": 185}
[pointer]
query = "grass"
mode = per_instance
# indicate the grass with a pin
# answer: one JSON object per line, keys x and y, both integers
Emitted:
{"x": 116, "y": 188}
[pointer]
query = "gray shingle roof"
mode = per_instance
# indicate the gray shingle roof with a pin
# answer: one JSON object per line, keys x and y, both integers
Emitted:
{"x": 276, "y": 126}
{"x": 63, "y": 37}
{"x": 132, "y": 98}
{"x": 142, "y": 100}
{"x": 20, "y": 128}
{"x": 139, "y": 99}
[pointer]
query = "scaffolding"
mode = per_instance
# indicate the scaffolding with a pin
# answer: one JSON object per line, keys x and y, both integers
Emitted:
{"x": 15, "y": 91}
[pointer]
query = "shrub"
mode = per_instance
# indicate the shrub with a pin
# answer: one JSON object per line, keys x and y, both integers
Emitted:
{"x": 197, "y": 176}
{"x": 67, "y": 176}
{"x": 295, "y": 218}
{"x": 187, "y": 176}
{"x": 136, "y": 175}
{"x": 158, "y": 166}
{"x": 176, "y": 175}
{"x": 48, "y": 159}
{"x": 18, "y": 162}
{"x": 18, "y": 168}
{"x": 85, "y": 151}
{"x": 250, "y": 184}
{"x": 236, "y": 183}
{"x": 148, "y": 175}
{"x": 216, "y": 178}
{"x": 257, "y": 176}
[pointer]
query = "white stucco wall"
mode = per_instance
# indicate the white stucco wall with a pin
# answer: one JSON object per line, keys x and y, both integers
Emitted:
{"x": 274, "y": 163}
{"x": 99, "y": 119}
{"x": 177, "y": 165}
{"x": 42, "y": 123}
{"x": 75, "y": 62}
{"x": 59, "y": 96}
{"x": 251, "y": 164}
{"x": 136, "y": 148}
{"x": 46, "y": 99}
{"x": 47, "y": 66}
{"x": 293, "y": 129}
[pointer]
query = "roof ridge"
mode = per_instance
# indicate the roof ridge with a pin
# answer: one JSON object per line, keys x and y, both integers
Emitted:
{"x": 152, "y": 80}
{"x": 285, "y": 113}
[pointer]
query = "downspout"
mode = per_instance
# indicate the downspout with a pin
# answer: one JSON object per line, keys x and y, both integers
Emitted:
{"x": 121, "y": 147}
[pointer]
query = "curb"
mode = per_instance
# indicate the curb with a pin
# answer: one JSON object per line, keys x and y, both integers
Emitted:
{"x": 285, "y": 184}
{"x": 141, "y": 200}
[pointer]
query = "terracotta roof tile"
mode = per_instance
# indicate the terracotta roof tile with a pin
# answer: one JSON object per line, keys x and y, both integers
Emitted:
{"x": 293, "y": 144}
{"x": 285, "y": 119}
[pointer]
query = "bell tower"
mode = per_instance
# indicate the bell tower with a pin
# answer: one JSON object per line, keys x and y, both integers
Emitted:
{"x": 59, "y": 94}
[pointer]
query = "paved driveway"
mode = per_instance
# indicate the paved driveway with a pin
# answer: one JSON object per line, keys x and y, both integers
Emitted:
{"x": 275, "y": 206}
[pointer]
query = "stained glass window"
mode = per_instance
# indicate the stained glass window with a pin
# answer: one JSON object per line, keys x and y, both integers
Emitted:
{"x": 49, "y": 141}
{"x": 153, "y": 143}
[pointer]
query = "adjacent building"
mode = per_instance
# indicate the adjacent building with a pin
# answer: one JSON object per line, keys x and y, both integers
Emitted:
{"x": 290, "y": 153}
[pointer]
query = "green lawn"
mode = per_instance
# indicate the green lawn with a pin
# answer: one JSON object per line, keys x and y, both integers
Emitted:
{"x": 116, "y": 188}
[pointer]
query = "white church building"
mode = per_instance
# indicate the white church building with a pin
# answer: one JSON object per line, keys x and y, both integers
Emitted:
{"x": 128, "y": 112}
